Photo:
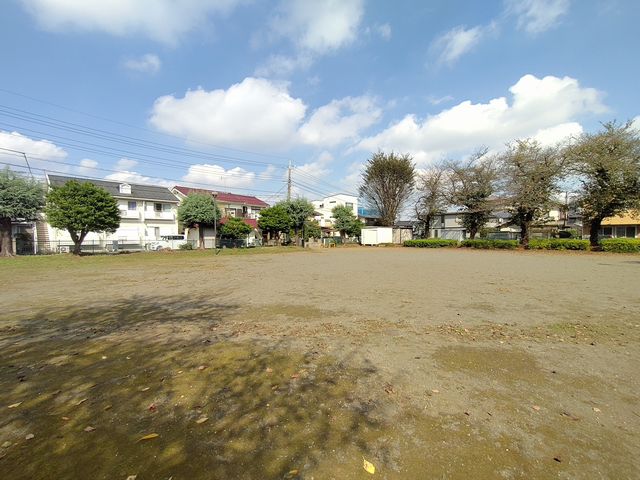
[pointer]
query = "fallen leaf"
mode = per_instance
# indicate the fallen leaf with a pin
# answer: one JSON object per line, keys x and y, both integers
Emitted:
{"x": 269, "y": 370}
{"x": 29, "y": 436}
{"x": 145, "y": 389}
{"x": 152, "y": 407}
{"x": 295, "y": 375}
{"x": 435, "y": 390}
{"x": 569, "y": 415}
{"x": 6, "y": 444}
{"x": 80, "y": 402}
{"x": 132, "y": 477}
{"x": 596, "y": 409}
{"x": 368, "y": 466}
{"x": 202, "y": 367}
{"x": 291, "y": 474}
{"x": 108, "y": 407}
{"x": 558, "y": 459}
{"x": 14, "y": 405}
{"x": 536, "y": 408}
{"x": 202, "y": 419}
{"x": 89, "y": 429}
{"x": 66, "y": 419}
{"x": 148, "y": 437}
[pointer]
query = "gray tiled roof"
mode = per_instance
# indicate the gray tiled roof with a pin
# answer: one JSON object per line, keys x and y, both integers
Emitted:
{"x": 141, "y": 192}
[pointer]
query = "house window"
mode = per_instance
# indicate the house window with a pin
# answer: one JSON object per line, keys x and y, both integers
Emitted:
{"x": 125, "y": 188}
{"x": 349, "y": 205}
{"x": 157, "y": 207}
{"x": 628, "y": 232}
{"x": 606, "y": 231}
{"x": 132, "y": 205}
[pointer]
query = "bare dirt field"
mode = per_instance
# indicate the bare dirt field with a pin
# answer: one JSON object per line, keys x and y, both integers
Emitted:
{"x": 430, "y": 364}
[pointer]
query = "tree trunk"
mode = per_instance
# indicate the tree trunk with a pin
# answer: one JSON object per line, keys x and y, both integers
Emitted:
{"x": 297, "y": 237}
{"x": 472, "y": 233}
{"x": 524, "y": 234}
{"x": 6, "y": 244}
{"x": 77, "y": 241}
{"x": 594, "y": 228}
{"x": 201, "y": 236}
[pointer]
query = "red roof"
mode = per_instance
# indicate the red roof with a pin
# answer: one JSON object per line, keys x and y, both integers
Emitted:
{"x": 252, "y": 222}
{"x": 226, "y": 197}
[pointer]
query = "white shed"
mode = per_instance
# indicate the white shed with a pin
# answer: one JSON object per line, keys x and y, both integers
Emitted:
{"x": 376, "y": 235}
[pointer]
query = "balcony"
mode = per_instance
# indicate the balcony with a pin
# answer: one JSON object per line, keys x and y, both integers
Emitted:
{"x": 159, "y": 215}
{"x": 130, "y": 214}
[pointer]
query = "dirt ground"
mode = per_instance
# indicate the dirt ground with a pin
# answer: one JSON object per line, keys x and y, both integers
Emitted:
{"x": 430, "y": 364}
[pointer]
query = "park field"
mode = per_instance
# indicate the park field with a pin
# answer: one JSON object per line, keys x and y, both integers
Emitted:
{"x": 291, "y": 364}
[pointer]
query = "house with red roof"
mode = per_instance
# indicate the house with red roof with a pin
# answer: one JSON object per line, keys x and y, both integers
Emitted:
{"x": 246, "y": 207}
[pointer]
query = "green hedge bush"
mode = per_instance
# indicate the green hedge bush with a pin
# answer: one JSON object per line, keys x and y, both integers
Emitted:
{"x": 431, "y": 243}
{"x": 558, "y": 244}
{"x": 621, "y": 245}
{"x": 490, "y": 244}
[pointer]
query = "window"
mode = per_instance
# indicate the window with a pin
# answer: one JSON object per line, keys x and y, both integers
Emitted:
{"x": 132, "y": 205}
{"x": 157, "y": 207}
{"x": 349, "y": 205}
{"x": 606, "y": 232}
{"x": 125, "y": 188}
{"x": 628, "y": 232}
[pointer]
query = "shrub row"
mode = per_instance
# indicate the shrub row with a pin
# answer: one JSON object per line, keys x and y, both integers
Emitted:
{"x": 490, "y": 244}
{"x": 558, "y": 244}
{"x": 621, "y": 245}
{"x": 431, "y": 243}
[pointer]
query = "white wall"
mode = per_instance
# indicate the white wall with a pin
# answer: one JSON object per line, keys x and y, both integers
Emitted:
{"x": 324, "y": 207}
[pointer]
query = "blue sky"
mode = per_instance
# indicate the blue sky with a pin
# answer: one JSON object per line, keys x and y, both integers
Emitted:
{"x": 224, "y": 93}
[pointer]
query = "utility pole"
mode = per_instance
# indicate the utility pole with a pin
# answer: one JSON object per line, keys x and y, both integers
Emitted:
{"x": 289, "y": 182}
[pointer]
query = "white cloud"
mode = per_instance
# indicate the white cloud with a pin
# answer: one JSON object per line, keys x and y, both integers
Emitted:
{"x": 87, "y": 167}
{"x": 450, "y": 46}
{"x": 438, "y": 100}
{"x": 135, "y": 177}
{"x": 636, "y": 123}
{"x": 340, "y": 120}
{"x": 547, "y": 107}
{"x": 309, "y": 173}
{"x": 125, "y": 164}
{"x": 537, "y": 16}
{"x": 260, "y": 114}
{"x": 216, "y": 175}
{"x": 281, "y": 66}
{"x": 161, "y": 20}
{"x": 384, "y": 30}
{"x": 38, "y": 152}
{"x": 149, "y": 63}
{"x": 557, "y": 133}
{"x": 255, "y": 113}
{"x": 319, "y": 26}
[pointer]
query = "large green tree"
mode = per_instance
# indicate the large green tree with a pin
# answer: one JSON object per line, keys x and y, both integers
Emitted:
{"x": 387, "y": 183}
{"x": 299, "y": 211}
{"x": 80, "y": 208}
{"x": 274, "y": 220}
{"x": 20, "y": 199}
{"x": 531, "y": 175}
{"x": 471, "y": 184}
{"x": 607, "y": 165}
{"x": 345, "y": 221}
{"x": 235, "y": 228}
{"x": 198, "y": 210}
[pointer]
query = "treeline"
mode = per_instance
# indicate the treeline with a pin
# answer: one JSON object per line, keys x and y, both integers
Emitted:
{"x": 525, "y": 180}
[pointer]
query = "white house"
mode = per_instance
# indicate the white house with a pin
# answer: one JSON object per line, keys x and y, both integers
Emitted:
{"x": 323, "y": 207}
{"x": 147, "y": 213}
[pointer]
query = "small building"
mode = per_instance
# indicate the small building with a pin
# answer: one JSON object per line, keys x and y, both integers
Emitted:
{"x": 323, "y": 210}
{"x": 376, "y": 235}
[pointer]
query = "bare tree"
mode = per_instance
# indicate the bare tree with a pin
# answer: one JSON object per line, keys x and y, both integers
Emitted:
{"x": 471, "y": 185}
{"x": 387, "y": 184}
{"x": 431, "y": 200}
{"x": 531, "y": 174}
{"x": 607, "y": 164}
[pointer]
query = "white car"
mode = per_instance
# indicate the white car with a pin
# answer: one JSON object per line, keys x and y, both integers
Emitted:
{"x": 171, "y": 242}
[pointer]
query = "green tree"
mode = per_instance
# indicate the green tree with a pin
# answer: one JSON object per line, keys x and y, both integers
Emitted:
{"x": 387, "y": 183}
{"x": 344, "y": 219}
{"x": 531, "y": 174}
{"x": 471, "y": 185}
{"x": 235, "y": 228}
{"x": 607, "y": 165}
{"x": 299, "y": 211}
{"x": 80, "y": 208}
{"x": 198, "y": 210}
{"x": 274, "y": 220}
{"x": 312, "y": 230}
{"x": 20, "y": 199}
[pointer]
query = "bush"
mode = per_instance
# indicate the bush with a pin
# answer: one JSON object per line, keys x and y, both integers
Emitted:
{"x": 570, "y": 233}
{"x": 431, "y": 243}
{"x": 558, "y": 244}
{"x": 186, "y": 246}
{"x": 490, "y": 244}
{"x": 621, "y": 245}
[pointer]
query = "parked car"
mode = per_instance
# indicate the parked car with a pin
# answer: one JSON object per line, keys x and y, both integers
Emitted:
{"x": 172, "y": 242}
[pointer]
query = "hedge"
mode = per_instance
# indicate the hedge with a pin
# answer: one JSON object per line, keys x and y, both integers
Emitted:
{"x": 490, "y": 244}
{"x": 558, "y": 244}
{"x": 431, "y": 243}
{"x": 621, "y": 245}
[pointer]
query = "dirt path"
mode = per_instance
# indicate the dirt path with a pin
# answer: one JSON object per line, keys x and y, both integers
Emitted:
{"x": 430, "y": 364}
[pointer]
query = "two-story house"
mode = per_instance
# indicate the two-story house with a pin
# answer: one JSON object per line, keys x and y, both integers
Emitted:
{"x": 147, "y": 213}
{"x": 323, "y": 208}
